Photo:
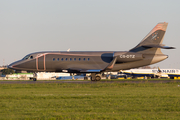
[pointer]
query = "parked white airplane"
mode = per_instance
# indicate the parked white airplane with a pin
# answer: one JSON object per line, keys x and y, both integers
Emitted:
{"x": 152, "y": 73}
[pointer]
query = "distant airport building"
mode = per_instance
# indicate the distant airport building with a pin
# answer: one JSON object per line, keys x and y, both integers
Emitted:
{"x": 152, "y": 73}
{"x": 50, "y": 75}
{"x": 39, "y": 76}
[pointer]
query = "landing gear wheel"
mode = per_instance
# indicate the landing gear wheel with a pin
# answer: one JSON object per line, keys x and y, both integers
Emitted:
{"x": 34, "y": 76}
{"x": 93, "y": 79}
{"x": 98, "y": 78}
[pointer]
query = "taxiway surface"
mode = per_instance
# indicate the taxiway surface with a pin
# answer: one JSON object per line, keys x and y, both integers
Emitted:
{"x": 85, "y": 82}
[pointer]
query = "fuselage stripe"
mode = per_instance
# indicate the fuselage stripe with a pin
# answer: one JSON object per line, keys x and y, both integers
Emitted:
{"x": 37, "y": 63}
{"x": 70, "y": 54}
{"x": 44, "y": 62}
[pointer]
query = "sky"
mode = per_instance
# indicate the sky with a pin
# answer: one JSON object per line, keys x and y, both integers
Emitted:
{"x": 28, "y": 26}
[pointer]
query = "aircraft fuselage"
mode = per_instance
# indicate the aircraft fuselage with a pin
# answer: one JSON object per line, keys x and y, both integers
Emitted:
{"x": 83, "y": 61}
{"x": 147, "y": 52}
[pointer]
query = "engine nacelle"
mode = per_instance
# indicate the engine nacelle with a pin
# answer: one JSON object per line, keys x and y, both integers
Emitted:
{"x": 127, "y": 57}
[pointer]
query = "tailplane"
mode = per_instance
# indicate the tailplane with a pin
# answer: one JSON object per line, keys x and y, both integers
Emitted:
{"x": 152, "y": 43}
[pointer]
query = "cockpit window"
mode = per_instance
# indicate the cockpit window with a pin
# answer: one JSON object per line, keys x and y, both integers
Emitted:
{"x": 28, "y": 57}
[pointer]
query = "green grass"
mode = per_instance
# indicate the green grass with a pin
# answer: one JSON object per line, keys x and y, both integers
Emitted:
{"x": 138, "y": 79}
{"x": 111, "y": 101}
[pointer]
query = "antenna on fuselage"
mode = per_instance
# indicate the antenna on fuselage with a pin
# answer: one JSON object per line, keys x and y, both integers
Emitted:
{"x": 68, "y": 50}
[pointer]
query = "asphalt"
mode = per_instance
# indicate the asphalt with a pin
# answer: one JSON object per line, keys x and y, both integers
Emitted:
{"x": 85, "y": 81}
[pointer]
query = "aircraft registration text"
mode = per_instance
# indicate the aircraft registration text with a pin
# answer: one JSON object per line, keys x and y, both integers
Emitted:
{"x": 127, "y": 56}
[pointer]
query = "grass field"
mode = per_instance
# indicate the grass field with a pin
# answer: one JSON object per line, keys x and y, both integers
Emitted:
{"x": 111, "y": 101}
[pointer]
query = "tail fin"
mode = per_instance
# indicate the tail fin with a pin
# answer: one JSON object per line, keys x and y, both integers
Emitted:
{"x": 159, "y": 70}
{"x": 152, "y": 43}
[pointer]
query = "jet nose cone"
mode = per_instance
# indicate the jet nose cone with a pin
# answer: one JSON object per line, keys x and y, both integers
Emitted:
{"x": 13, "y": 65}
{"x": 9, "y": 66}
{"x": 16, "y": 65}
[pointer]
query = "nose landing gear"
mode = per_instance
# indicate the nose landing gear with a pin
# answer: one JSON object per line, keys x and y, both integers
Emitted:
{"x": 34, "y": 78}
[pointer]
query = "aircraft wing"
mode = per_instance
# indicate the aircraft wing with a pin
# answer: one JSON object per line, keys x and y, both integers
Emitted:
{"x": 111, "y": 64}
{"x": 108, "y": 67}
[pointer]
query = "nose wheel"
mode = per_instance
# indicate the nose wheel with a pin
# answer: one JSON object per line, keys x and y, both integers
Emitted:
{"x": 35, "y": 76}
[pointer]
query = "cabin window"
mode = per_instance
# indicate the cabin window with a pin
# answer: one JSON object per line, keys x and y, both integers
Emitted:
{"x": 61, "y": 59}
{"x": 66, "y": 59}
{"x": 84, "y": 59}
{"x": 70, "y": 59}
{"x": 54, "y": 59}
{"x": 57, "y": 59}
{"x": 74, "y": 59}
{"x": 31, "y": 57}
{"x": 79, "y": 59}
{"x": 88, "y": 59}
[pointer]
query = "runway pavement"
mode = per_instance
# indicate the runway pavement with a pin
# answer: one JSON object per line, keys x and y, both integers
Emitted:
{"x": 85, "y": 81}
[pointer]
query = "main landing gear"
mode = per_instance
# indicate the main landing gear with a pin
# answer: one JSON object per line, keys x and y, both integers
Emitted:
{"x": 95, "y": 77}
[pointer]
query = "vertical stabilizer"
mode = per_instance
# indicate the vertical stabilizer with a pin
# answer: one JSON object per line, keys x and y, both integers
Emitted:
{"x": 152, "y": 43}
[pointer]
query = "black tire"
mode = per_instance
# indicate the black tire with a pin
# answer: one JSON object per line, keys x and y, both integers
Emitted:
{"x": 98, "y": 78}
{"x": 93, "y": 79}
{"x": 34, "y": 79}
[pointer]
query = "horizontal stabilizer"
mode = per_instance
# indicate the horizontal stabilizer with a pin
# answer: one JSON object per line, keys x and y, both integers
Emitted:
{"x": 158, "y": 46}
